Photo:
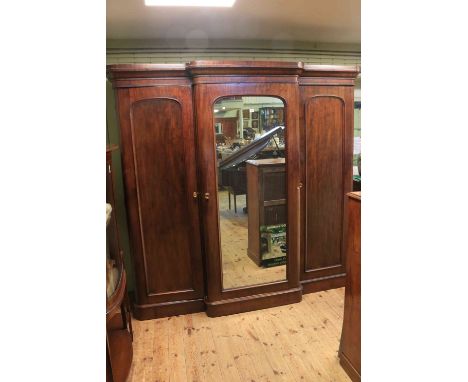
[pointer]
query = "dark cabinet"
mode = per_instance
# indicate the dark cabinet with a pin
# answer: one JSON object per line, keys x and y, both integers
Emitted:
{"x": 171, "y": 178}
{"x": 266, "y": 182}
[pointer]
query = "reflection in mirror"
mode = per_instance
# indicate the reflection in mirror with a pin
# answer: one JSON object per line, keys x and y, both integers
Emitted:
{"x": 250, "y": 148}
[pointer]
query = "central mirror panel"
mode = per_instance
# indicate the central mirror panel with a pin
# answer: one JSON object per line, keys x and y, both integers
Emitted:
{"x": 251, "y": 163}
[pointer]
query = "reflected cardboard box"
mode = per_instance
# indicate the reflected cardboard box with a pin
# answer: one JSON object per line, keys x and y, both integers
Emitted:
{"x": 273, "y": 245}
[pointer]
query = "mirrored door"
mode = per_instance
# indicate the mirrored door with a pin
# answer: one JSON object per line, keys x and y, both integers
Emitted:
{"x": 252, "y": 187}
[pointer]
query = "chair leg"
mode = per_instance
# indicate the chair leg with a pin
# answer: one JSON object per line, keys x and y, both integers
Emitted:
{"x": 235, "y": 204}
{"x": 229, "y": 193}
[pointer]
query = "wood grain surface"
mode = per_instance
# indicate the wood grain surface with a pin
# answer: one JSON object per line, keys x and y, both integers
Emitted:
{"x": 296, "y": 343}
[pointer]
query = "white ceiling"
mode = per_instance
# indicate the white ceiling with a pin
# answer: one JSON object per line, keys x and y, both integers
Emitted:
{"x": 325, "y": 21}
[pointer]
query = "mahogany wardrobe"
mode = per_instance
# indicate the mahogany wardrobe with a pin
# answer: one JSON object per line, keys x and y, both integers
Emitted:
{"x": 185, "y": 240}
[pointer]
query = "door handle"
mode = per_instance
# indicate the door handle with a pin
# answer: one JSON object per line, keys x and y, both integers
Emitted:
{"x": 195, "y": 194}
{"x": 207, "y": 195}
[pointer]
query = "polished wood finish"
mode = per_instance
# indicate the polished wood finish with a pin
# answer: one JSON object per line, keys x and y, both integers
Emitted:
{"x": 158, "y": 141}
{"x": 214, "y": 69}
{"x": 209, "y": 87}
{"x": 119, "y": 359}
{"x": 326, "y": 167}
{"x": 159, "y": 97}
{"x": 119, "y": 337}
{"x": 266, "y": 198}
{"x": 350, "y": 347}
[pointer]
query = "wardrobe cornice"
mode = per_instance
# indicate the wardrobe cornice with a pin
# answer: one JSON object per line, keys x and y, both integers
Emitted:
{"x": 119, "y": 72}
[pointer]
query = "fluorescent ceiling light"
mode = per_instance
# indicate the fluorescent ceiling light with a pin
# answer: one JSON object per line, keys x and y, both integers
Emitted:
{"x": 190, "y": 3}
{"x": 216, "y": 110}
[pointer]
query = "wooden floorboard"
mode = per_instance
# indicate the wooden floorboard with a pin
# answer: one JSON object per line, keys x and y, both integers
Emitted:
{"x": 297, "y": 342}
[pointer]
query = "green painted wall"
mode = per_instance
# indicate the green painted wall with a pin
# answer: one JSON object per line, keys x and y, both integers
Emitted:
{"x": 151, "y": 51}
{"x": 170, "y": 51}
{"x": 357, "y": 131}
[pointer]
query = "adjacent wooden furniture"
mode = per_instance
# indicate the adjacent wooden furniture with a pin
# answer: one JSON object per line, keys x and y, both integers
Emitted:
{"x": 170, "y": 177}
{"x": 266, "y": 198}
{"x": 350, "y": 347}
{"x": 119, "y": 335}
{"x": 326, "y": 130}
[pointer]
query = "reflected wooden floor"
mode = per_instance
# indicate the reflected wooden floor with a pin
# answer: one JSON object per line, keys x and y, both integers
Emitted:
{"x": 238, "y": 269}
{"x": 292, "y": 343}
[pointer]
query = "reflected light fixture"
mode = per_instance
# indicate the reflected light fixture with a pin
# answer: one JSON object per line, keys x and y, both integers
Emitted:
{"x": 190, "y": 3}
{"x": 216, "y": 110}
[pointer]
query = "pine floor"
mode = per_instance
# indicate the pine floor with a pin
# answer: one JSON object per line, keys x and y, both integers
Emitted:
{"x": 297, "y": 342}
{"x": 238, "y": 269}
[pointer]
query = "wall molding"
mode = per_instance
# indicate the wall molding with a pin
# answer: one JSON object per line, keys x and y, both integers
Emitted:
{"x": 178, "y": 51}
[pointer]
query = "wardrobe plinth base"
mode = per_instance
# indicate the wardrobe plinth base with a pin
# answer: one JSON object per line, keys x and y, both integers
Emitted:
{"x": 255, "y": 302}
{"x": 167, "y": 309}
{"x": 323, "y": 283}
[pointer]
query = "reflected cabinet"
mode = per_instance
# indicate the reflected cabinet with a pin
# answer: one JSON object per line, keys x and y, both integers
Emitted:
{"x": 234, "y": 175}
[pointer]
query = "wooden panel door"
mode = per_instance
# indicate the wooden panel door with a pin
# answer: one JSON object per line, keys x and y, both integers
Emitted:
{"x": 158, "y": 142}
{"x": 326, "y": 166}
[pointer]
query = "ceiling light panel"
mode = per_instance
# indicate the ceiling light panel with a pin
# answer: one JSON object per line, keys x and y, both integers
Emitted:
{"x": 189, "y": 3}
